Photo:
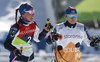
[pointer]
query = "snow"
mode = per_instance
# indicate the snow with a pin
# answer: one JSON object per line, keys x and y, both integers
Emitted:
{"x": 4, "y": 57}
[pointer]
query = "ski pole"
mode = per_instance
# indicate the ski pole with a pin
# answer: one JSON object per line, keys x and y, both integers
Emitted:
{"x": 51, "y": 40}
{"x": 16, "y": 56}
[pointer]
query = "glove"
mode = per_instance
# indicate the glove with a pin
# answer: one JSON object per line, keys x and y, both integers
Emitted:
{"x": 96, "y": 40}
{"x": 59, "y": 47}
{"x": 48, "y": 27}
{"x": 17, "y": 52}
{"x": 56, "y": 36}
{"x": 77, "y": 45}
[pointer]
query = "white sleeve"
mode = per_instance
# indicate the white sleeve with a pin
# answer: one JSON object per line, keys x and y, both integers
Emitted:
{"x": 86, "y": 38}
{"x": 36, "y": 34}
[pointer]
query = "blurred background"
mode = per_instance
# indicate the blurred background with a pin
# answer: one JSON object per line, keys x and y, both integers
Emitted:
{"x": 88, "y": 14}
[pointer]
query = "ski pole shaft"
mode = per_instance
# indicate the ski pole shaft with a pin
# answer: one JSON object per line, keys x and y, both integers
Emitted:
{"x": 52, "y": 41}
{"x": 16, "y": 56}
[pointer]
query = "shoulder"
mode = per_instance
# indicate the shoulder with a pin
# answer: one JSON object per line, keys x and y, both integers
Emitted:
{"x": 14, "y": 27}
{"x": 13, "y": 30}
{"x": 79, "y": 24}
{"x": 36, "y": 24}
{"x": 60, "y": 25}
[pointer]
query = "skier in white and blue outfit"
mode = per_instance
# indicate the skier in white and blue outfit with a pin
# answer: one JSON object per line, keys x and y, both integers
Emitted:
{"x": 69, "y": 36}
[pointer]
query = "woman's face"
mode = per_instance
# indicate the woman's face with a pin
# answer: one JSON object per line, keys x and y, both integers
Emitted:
{"x": 72, "y": 18}
{"x": 29, "y": 15}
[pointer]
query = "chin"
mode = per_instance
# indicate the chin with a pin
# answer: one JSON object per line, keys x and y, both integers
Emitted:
{"x": 72, "y": 23}
{"x": 31, "y": 20}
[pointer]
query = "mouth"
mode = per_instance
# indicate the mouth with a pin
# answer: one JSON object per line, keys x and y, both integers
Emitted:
{"x": 32, "y": 18}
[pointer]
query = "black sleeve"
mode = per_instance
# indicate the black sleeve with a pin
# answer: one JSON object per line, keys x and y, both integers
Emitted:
{"x": 48, "y": 41}
{"x": 7, "y": 44}
{"x": 42, "y": 34}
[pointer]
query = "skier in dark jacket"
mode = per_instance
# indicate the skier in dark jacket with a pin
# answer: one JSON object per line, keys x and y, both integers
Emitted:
{"x": 22, "y": 33}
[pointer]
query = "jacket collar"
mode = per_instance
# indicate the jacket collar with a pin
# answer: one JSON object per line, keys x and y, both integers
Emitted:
{"x": 69, "y": 25}
{"x": 23, "y": 21}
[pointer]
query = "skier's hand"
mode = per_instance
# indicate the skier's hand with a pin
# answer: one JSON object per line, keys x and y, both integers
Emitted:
{"x": 17, "y": 52}
{"x": 48, "y": 27}
{"x": 77, "y": 45}
{"x": 56, "y": 36}
{"x": 96, "y": 40}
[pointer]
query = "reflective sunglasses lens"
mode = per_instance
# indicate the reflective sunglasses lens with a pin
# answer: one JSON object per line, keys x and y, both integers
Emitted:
{"x": 70, "y": 16}
{"x": 75, "y": 15}
{"x": 31, "y": 11}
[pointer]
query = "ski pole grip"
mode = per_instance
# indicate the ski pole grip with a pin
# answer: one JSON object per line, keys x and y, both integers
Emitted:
{"x": 21, "y": 49}
{"x": 16, "y": 56}
{"x": 48, "y": 20}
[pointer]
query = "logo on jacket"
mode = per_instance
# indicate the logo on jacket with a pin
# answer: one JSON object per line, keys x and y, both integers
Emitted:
{"x": 73, "y": 36}
{"x": 27, "y": 31}
{"x": 72, "y": 50}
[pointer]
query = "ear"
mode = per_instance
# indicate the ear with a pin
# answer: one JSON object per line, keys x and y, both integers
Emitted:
{"x": 23, "y": 15}
{"x": 66, "y": 16}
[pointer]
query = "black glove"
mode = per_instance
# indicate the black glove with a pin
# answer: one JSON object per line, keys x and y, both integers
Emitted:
{"x": 77, "y": 45}
{"x": 48, "y": 27}
{"x": 56, "y": 36}
{"x": 95, "y": 41}
{"x": 59, "y": 47}
{"x": 17, "y": 52}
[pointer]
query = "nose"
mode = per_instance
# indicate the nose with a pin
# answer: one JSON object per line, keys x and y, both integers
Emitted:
{"x": 33, "y": 14}
{"x": 73, "y": 17}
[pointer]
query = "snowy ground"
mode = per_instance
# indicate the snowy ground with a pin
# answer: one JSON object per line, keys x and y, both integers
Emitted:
{"x": 4, "y": 57}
